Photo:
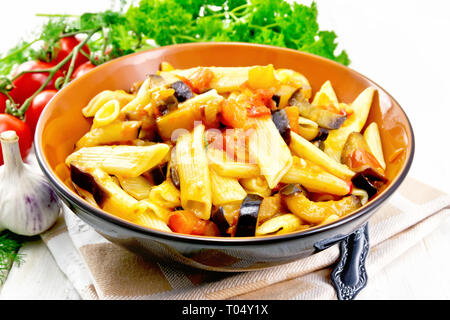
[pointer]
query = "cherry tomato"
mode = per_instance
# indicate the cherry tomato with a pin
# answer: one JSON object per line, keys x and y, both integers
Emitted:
{"x": 66, "y": 45}
{"x": 81, "y": 70}
{"x": 37, "y": 105}
{"x": 8, "y": 122}
{"x": 27, "y": 84}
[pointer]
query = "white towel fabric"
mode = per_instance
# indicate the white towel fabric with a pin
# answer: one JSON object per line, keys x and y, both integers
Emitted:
{"x": 99, "y": 269}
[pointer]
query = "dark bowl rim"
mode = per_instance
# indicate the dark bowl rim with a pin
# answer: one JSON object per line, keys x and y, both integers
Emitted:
{"x": 206, "y": 240}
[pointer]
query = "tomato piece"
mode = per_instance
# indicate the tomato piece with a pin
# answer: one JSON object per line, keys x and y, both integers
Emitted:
{"x": 258, "y": 111}
{"x": 186, "y": 222}
{"x": 37, "y": 105}
{"x": 234, "y": 114}
{"x": 201, "y": 79}
{"x": 9, "y": 122}
{"x": 27, "y": 84}
{"x": 260, "y": 103}
{"x": 361, "y": 157}
{"x": 293, "y": 115}
{"x": 65, "y": 47}
{"x": 83, "y": 69}
{"x": 211, "y": 229}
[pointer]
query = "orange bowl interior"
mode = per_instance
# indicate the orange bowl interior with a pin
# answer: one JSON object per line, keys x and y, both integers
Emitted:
{"x": 62, "y": 123}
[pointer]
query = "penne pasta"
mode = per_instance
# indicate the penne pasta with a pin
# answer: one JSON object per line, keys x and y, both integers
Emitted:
{"x": 117, "y": 132}
{"x": 225, "y": 189}
{"x": 142, "y": 98}
{"x": 192, "y": 165}
{"x": 159, "y": 212}
{"x": 188, "y": 113}
{"x": 103, "y": 97}
{"x": 124, "y": 161}
{"x": 224, "y": 166}
{"x": 106, "y": 114}
{"x": 138, "y": 187}
{"x": 308, "y": 129}
{"x": 315, "y": 178}
{"x": 165, "y": 195}
{"x": 270, "y": 151}
{"x": 326, "y": 96}
{"x": 373, "y": 139}
{"x": 354, "y": 123}
{"x": 279, "y": 225}
{"x": 306, "y": 150}
{"x": 256, "y": 185}
{"x": 224, "y": 80}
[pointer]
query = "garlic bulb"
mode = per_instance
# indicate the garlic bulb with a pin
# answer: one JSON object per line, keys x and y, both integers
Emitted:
{"x": 28, "y": 205}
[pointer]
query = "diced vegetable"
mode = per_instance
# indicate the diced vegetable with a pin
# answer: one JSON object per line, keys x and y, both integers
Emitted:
{"x": 325, "y": 118}
{"x": 248, "y": 216}
{"x": 281, "y": 121}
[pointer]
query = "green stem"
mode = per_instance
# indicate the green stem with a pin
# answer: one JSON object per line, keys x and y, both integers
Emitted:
{"x": 20, "y": 49}
{"x": 56, "y": 15}
{"x": 72, "y": 56}
{"x": 75, "y": 52}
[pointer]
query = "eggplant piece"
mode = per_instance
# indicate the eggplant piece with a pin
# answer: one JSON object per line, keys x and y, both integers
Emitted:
{"x": 291, "y": 189}
{"x": 248, "y": 216}
{"x": 156, "y": 80}
{"x": 159, "y": 174}
{"x": 281, "y": 121}
{"x": 358, "y": 157}
{"x": 276, "y": 98}
{"x": 218, "y": 217}
{"x": 169, "y": 104}
{"x": 182, "y": 91}
{"x": 361, "y": 181}
{"x": 324, "y": 118}
{"x": 86, "y": 181}
{"x": 322, "y": 135}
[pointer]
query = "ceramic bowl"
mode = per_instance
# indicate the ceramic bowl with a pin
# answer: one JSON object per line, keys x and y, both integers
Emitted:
{"x": 62, "y": 124}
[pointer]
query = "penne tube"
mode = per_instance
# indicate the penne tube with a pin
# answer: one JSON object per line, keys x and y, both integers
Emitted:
{"x": 270, "y": 151}
{"x": 142, "y": 98}
{"x": 138, "y": 187}
{"x": 103, "y": 97}
{"x": 188, "y": 113}
{"x": 326, "y": 96}
{"x": 224, "y": 166}
{"x": 124, "y": 161}
{"x": 256, "y": 185}
{"x": 308, "y": 129}
{"x": 354, "y": 123}
{"x": 193, "y": 171}
{"x": 113, "y": 198}
{"x": 306, "y": 150}
{"x": 165, "y": 195}
{"x": 225, "y": 189}
{"x": 294, "y": 80}
{"x": 361, "y": 194}
{"x": 284, "y": 223}
{"x": 117, "y": 132}
{"x": 159, "y": 212}
{"x": 373, "y": 139}
{"x": 106, "y": 114}
{"x": 315, "y": 178}
{"x": 225, "y": 79}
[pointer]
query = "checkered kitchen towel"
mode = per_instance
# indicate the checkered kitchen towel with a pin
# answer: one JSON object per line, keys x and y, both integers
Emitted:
{"x": 99, "y": 269}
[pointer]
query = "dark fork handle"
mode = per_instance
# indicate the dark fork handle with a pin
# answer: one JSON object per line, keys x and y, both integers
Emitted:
{"x": 349, "y": 276}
